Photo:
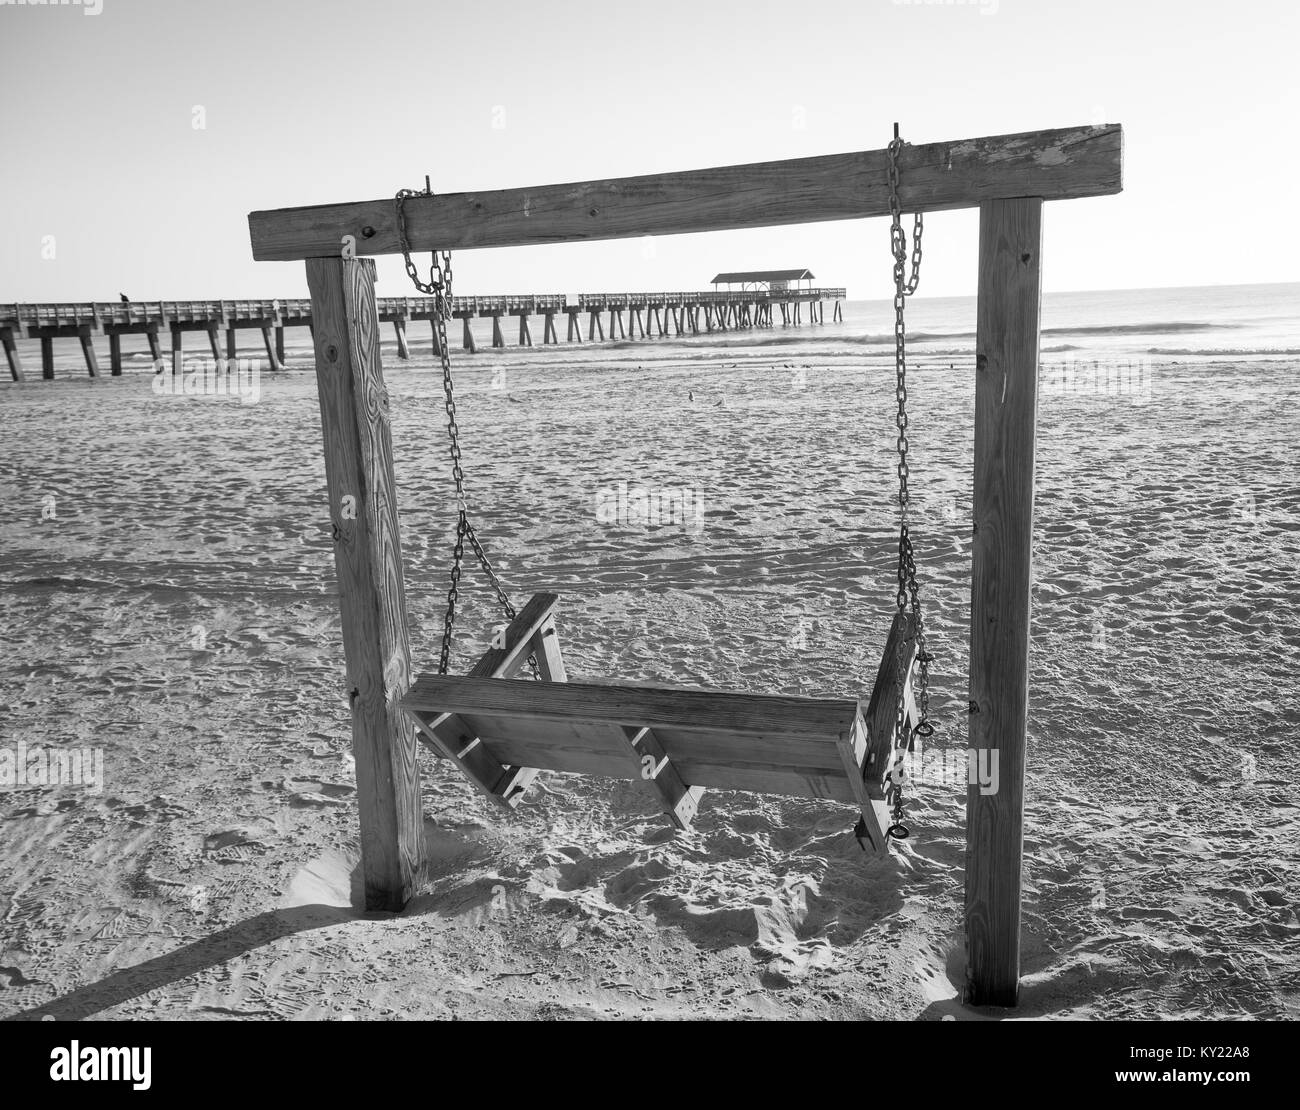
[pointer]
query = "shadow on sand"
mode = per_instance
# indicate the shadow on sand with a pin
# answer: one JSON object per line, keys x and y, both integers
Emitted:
{"x": 131, "y": 982}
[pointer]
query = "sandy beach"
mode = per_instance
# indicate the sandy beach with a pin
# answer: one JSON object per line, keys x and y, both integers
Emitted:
{"x": 169, "y": 598}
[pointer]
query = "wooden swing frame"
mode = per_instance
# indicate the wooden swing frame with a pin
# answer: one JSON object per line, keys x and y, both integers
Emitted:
{"x": 1007, "y": 177}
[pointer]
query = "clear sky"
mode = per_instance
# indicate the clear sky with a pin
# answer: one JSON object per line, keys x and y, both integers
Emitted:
{"x": 330, "y": 100}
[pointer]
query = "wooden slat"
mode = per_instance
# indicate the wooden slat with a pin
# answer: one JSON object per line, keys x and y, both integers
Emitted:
{"x": 557, "y": 747}
{"x": 680, "y": 802}
{"x": 537, "y": 735}
{"x": 546, "y": 644}
{"x": 368, "y": 561}
{"x": 646, "y": 705}
{"x": 870, "y": 802}
{"x": 503, "y": 662}
{"x": 1006, "y": 403}
{"x": 598, "y": 747}
{"x": 1058, "y": 164}
{"x": 454, "y": 738}
{"x": 892, "y": 677}
{"x": 513, "y": 745}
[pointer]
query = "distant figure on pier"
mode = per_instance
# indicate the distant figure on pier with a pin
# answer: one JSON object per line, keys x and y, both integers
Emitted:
{"x": 125, "y": 298}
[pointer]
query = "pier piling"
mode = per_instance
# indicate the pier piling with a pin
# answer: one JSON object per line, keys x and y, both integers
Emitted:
{"x": 11, "y": 354}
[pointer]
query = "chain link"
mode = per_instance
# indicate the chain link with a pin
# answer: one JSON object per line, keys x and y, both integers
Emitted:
{"x": 439, "y": 287}
{"x": 908, "y": 593}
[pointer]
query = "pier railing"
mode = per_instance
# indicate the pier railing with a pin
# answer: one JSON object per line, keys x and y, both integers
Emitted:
{"x": 99, "y": 315}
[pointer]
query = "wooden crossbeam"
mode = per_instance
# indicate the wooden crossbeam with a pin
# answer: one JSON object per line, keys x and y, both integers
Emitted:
{"x": 680, "y": 802}
{"x": 1054, "y": 165}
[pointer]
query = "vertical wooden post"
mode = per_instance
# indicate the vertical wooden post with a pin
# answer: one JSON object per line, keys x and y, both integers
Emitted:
{"x": 279, "y": 346}
{"x": 214, "y": 342}
{"x": 437, "y": 344}
{"x": 403, "y": 351}
{"x": 47, "y": 357}
{"x": 232, "y": 350}
{"x": 368, "y": 560}
{"x": 88, "y": 349}
{"x": 178, "y": 350}
{"x": 11, "y": 354}
{"x": 115, "y": 354}
{"x": 155, "y": 350}
{"x": 468, "y": 338}
{"x": 1006, "y": 404}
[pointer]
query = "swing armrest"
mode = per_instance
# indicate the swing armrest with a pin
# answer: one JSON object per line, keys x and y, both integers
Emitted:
{"x": 504, "y": 661}
{"x": 893, "y": 677}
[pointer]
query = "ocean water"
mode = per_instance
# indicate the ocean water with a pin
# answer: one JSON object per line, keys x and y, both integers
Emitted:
{"x": 1163, "y": 798}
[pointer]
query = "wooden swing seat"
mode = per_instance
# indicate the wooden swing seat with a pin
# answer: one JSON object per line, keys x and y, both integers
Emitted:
{"x": 501, "y": 731}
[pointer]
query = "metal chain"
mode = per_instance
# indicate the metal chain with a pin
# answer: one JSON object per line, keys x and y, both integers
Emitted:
{"x": 440, "y": 288}
{"x": 908, "y": 596}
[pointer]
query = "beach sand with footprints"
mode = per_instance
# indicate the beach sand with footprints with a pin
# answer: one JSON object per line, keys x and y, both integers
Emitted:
{"x": 169, "y": 597}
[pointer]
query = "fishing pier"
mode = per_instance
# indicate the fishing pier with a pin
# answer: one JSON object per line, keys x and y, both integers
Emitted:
{"x": 613, "y": 316}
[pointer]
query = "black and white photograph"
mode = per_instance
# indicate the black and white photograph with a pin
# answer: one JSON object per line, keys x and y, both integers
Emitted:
{"x": 672, "y": 512}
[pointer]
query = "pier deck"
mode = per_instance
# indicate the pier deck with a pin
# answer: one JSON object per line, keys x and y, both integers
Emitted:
{"x": 648, "y": 316}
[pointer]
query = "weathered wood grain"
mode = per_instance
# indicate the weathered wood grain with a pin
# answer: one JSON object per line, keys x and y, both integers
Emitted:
{"x": 718, "y": 746}
{"x": 679, "y": 801}
{"x": 892, "y": 679}
{"x": 367, "y": 558}
{"x": 514, "y": 743}
{"x": 454, "y": 738}
{"x": 505, "y": 661}
{"x": 778, "y": 745}
{"x": 1055, "y": 165}
{"x": 875, "y": 816}
{"x": 1006, "y": 403}
{"x": 646, "y": 705}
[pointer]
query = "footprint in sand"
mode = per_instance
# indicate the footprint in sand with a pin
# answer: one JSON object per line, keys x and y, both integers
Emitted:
{"x": 313, "y": 792}
{"x": 237, "y": 837}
